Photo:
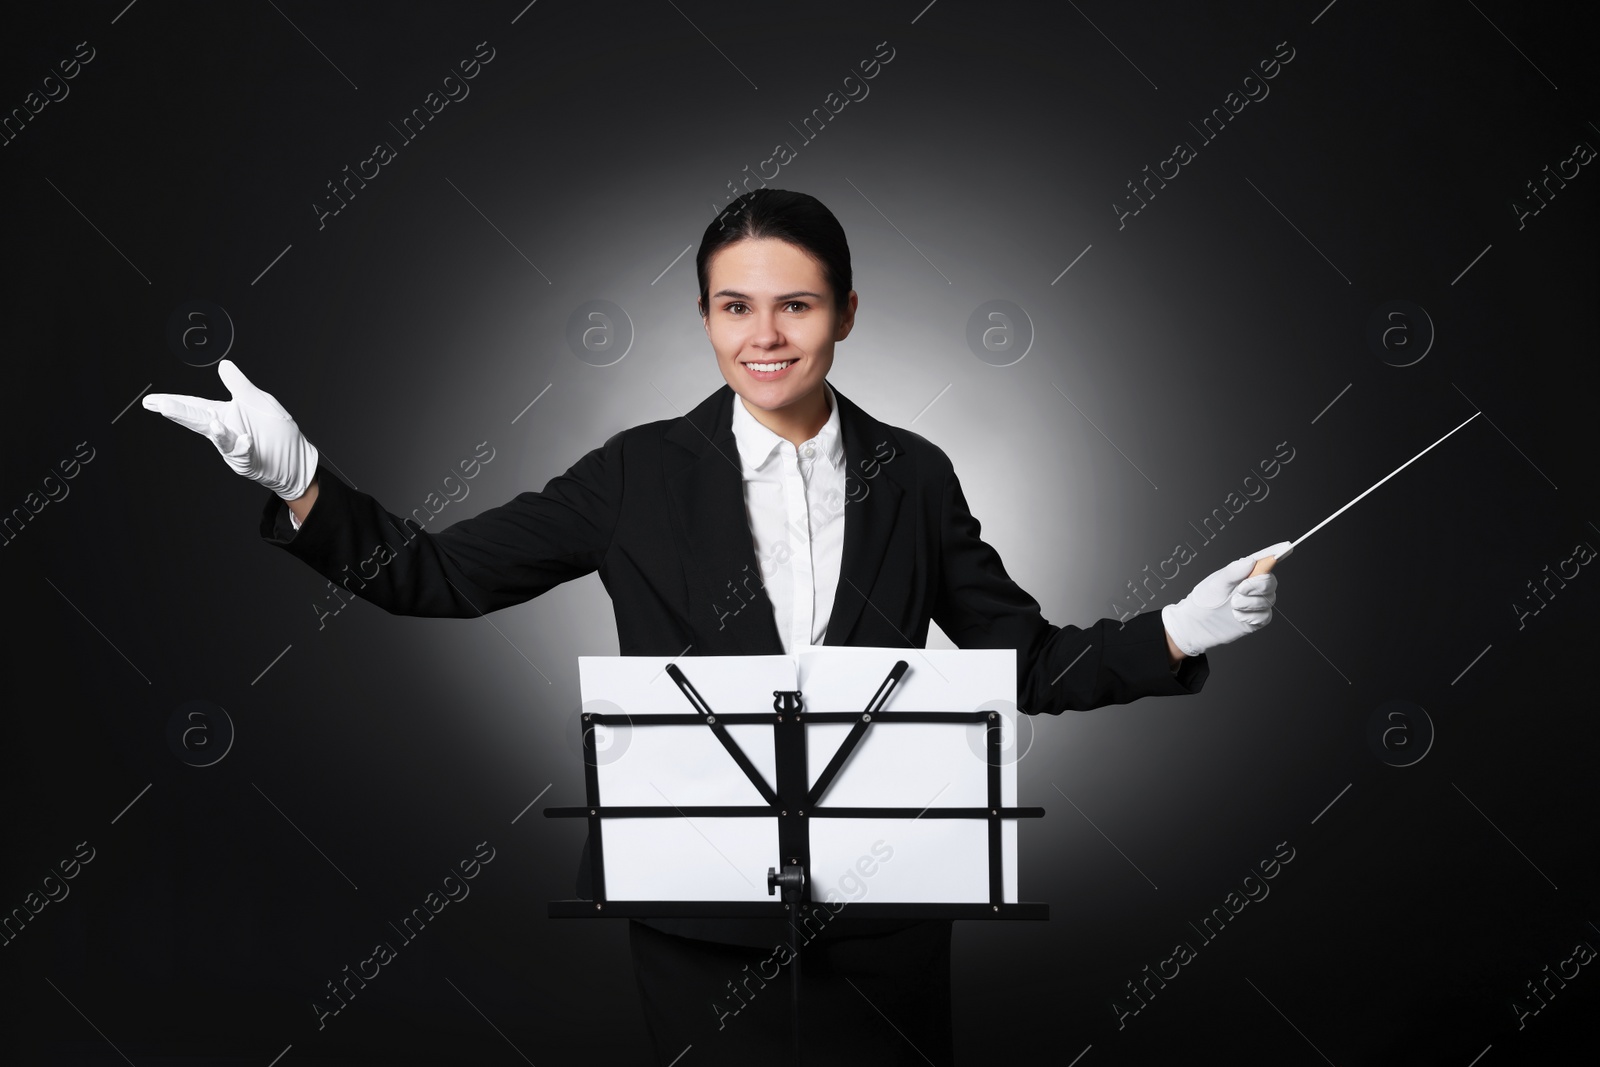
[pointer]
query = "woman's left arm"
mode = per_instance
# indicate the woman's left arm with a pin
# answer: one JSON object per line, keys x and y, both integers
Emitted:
{"x": 1059, "y": 668}
{"x": 1175, "y": 656}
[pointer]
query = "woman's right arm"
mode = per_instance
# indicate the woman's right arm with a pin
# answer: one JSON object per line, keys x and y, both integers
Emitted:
{"x": 301, "y": 506}
{"x": 503, "y": 556}
{"x": 499, "y": 557}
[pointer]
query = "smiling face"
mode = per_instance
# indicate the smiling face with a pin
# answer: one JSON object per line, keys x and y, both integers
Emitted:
{"x": 771, "y": 306}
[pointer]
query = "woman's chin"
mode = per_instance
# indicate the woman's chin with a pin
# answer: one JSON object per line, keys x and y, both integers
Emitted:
{"x": 772, "y": 396}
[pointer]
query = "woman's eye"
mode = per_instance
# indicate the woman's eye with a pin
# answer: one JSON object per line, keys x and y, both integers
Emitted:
{"x": 737, "y": 307}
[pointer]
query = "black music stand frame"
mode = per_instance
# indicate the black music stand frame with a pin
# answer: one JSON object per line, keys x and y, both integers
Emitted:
{"x": 790, "y": 804}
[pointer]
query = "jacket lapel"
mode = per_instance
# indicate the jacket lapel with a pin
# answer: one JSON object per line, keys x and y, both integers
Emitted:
{"x": 728, "y": 609}
{"x": 729, "y": 605}
{"x": 869, "y": 521}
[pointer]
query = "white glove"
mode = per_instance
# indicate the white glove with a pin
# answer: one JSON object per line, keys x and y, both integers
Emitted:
{"x": 1225, "y": 605}
{"x": 256, "y": 437}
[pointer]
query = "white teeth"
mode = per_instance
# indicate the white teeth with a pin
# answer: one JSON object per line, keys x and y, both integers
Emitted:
{"x": 766, "y": 367}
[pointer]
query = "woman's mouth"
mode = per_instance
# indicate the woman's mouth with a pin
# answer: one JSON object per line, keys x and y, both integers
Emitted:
{"x": 766, "y": 372}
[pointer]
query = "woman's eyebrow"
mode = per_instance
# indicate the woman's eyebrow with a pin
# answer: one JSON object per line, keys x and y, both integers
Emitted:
{"x": 784, "y": 296}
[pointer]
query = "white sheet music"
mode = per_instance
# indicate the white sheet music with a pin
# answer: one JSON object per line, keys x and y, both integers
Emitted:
{"x": 921, "y": 766}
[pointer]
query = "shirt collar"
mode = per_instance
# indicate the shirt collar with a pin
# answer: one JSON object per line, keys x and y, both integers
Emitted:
{"x": 756, "y": 443}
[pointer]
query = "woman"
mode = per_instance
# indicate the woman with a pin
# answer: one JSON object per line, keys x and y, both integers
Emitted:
{"x": 775, "y": 515}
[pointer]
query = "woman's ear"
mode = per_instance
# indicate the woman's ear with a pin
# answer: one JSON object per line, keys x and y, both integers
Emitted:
{"x": 847, "y": 318}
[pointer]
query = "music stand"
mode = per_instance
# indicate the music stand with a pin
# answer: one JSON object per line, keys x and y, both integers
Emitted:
{"x": 747, "y": 755}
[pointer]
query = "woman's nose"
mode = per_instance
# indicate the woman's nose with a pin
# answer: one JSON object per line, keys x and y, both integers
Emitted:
{"x": 767, "y": 328}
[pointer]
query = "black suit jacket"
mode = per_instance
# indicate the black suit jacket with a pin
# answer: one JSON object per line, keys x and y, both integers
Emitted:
{"x": 659, "y": 512}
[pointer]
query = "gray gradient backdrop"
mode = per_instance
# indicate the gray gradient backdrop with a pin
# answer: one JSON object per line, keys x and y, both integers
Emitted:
{"x": 1183, "y": 345}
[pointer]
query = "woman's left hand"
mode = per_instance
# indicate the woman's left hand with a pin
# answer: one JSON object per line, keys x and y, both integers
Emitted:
{"x": 1225, "y": 605}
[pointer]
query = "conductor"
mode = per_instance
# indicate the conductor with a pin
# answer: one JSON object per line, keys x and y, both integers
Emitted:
{"x": 775, "y": 515}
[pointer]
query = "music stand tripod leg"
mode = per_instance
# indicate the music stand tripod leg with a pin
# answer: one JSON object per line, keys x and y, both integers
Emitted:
{"x": 792, "y": 881}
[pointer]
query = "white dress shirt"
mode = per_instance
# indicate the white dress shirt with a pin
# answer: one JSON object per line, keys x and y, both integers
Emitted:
{"x": 794, "y": 499}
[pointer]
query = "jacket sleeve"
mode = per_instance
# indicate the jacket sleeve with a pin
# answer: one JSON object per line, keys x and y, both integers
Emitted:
{"x": 1059, "y": 668}
{"x": 500, "y": 557}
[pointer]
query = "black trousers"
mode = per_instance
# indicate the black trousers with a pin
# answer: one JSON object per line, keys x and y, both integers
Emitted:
{"x": 876, "y": 998}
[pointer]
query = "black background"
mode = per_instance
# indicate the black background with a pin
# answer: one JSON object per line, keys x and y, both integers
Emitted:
{"x": 376, "y": 752}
